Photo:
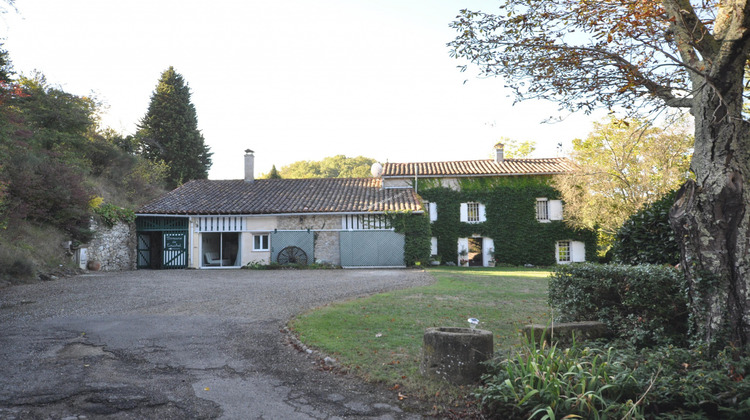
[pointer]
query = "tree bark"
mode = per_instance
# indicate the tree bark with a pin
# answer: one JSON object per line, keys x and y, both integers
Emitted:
{"x": 711, "y": 221}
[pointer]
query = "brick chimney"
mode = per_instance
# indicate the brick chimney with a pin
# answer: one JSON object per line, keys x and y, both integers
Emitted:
{"x": 249, "y": 166}
{"x": 499, "y": 158}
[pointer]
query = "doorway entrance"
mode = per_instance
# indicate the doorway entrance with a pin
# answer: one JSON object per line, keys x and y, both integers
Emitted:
{"x": 161, "y": 242}
{"x": 476, "y": 257}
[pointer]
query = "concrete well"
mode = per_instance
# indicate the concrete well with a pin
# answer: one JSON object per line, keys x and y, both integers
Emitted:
{"x": 456, "y": 354}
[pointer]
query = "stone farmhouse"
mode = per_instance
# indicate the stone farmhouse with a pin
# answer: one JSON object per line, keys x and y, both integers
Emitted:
{"x": 232, "y": 223}
{"x": 493, "y": 211}
{"x": 479, "y": 213}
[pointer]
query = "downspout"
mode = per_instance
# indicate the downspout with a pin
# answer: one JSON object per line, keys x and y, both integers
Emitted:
{"x": 416, "y": 174}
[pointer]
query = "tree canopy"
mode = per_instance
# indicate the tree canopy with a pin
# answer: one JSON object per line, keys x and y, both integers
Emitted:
{"x": 642, "y": 55}
{"x": 338, "y": 166}
{"x": 169, "y": 131}
{"x": 621, "y": 166}
{"x": 57, "y": 166}
{"x": 516, "y": 149}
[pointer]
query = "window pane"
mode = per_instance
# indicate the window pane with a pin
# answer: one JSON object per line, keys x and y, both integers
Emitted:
{"x": 473, "y": 212}
{"x": 260, "y": 242}
{"x": 542, "y": 210}
{"x": 563, "y": 251}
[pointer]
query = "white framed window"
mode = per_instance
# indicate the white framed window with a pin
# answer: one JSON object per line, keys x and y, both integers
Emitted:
{"x": 547, "y": 210}
{"x": 366, "y": 222}
{"x": 433, "y": 246}
{"x": 542, "y": 210}
{"x": 473, "y": 212}
{"x": 260, "y": 242}
{"x": 570, "y": 252}
{"x": 563, "y": 252}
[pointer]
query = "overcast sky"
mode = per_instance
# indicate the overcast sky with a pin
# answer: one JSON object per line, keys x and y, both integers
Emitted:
{"x": 291, "y": 79}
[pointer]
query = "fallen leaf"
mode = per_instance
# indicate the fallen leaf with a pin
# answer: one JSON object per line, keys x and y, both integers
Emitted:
{"x": 206, "y": 389}
{"x": 401, "y": 396}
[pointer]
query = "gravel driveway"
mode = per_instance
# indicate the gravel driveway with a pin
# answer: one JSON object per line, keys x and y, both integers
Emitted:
{"x": 180, "y": 344}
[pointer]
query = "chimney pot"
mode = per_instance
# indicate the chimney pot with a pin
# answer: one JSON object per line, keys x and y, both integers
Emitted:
{"x": 249, "y": 166}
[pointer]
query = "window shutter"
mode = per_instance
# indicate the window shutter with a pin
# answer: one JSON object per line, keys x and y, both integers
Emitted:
{"x": 488, "y": 248}
{"x": 433, "y": 211}
{"x": 577, "y": 251}
{"x": 482, "y": 213}
{"x": 464, "y": 212}
{"x": 463, "y": 245}
{"x": 555, "y": 210}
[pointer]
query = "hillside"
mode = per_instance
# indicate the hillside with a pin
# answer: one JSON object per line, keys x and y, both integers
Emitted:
{"x": 59, "y": 168}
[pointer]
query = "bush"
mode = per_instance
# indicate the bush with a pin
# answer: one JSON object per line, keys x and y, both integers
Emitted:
{"x": 666, "y": 382}
{"x": 549, "y": 382}
{"x": 647, "y": 237}
{"x": 688, "y": 383}
{"x": 644, "y": 304}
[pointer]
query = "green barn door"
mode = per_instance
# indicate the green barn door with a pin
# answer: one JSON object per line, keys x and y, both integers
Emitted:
{"x": 162, "y": 242}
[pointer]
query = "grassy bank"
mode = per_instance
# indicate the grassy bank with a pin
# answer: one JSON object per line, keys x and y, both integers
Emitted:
{"x": 380, "y": 337}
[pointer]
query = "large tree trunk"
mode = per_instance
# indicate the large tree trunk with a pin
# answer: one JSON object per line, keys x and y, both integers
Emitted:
{"x": 711, "y": 221}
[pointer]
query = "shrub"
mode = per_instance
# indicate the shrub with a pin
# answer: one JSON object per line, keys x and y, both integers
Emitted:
{"x": 644, "y": 304}
{"x": 688, "y": 383}
{"x": 647, "y": 237}
{"x": 665, "y": 382}
{"x": 111, "y": 214}
{"x": 548, "y": 382}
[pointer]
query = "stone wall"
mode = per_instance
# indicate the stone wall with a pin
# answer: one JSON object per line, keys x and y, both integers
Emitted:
{"x": 114, "y": 248}
{"x": 326, "y": 240}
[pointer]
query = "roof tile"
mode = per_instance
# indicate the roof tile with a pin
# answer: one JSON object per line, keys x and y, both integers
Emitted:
{"x": 275, "y": 196}
{"x": 483, "y": 167}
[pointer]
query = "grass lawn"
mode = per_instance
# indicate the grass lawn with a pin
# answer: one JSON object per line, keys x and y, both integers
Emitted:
{"x": 380, "y": 337}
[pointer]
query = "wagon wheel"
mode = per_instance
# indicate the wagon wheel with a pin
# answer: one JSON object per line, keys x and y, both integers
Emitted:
{"x": 292, "y": 255}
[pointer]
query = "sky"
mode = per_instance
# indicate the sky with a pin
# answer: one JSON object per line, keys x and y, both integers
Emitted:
{"x": 290, "y": 79}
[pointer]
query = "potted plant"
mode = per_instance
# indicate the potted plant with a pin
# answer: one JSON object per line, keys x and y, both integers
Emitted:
{"x": 435, "y": 260}
{"x": 463, "y": 259}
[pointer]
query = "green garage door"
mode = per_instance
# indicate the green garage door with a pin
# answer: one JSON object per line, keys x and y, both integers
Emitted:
{"x": 379, "y": 248}
{"x": 162, "y": 242}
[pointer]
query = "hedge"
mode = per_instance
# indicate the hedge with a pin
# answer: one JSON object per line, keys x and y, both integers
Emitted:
{"x": 644, "y": 304}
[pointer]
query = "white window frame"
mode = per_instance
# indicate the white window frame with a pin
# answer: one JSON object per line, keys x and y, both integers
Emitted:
{"x": 576, "y": 251}
{"x": 542, "y": 210}
{"x": 548, "y": 210}
{"x": 563, "y": 252}
{"x": 479, "y": 214}
{"x": 267, "y": 241}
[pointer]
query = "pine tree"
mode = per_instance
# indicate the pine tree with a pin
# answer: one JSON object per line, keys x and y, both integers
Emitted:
{"x": 169, "y": 131}
{"x": 274, "y": 174}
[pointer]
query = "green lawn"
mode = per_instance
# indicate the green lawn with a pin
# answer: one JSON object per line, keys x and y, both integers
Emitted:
{"x": 380, "y": 337}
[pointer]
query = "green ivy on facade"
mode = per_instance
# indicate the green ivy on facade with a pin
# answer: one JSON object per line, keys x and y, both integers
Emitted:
{"x": 510, "y": 204}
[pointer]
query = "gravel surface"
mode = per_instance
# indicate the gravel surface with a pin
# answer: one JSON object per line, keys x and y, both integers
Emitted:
{"x": 181, "y": 344}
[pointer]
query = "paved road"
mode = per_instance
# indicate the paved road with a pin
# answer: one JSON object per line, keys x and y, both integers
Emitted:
{"x": 180, "y": 344}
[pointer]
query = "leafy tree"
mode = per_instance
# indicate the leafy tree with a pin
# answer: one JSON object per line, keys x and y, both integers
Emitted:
{"x": 648, "y": 54}
{"x": 514, "y": 149}
{"x": 338, "y": 166}
{"x": 169, "y": 131}
{"x": 621, "y": 166}
{"x": 646, "y": 237}
{"x": 273, "y": 174}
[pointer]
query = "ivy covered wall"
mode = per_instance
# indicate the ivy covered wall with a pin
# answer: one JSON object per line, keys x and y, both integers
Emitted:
{"x": 510, "y": 204}
{"x": 417, "y": 234}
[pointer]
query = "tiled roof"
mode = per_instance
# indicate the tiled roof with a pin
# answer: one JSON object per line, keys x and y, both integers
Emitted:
{"x": 483, "y": 167}
{"x": 275, "y": 196}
